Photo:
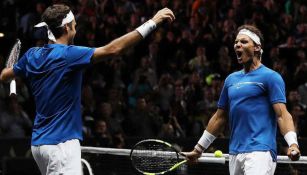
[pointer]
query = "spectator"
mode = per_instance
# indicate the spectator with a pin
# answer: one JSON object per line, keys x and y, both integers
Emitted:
{"x": 143, "y": 122}
{"x": 139, "y": 87}
{"x": 102, "y": 136}
{"x": 302, "y": 90}
{"x": 14, "y": 122}
{"x": 165, "y": 91}
{"x": 200, "y": 63}
{"x": 202, "y": 27}
{"x": 105, "y": 112}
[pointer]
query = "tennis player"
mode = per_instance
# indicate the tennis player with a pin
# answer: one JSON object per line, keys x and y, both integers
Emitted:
{"x": 54, "y": 73}
{"x": 254, "y": 100}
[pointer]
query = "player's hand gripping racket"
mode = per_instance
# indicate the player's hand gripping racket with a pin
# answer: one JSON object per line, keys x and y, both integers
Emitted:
{"x": 12, "y": 59}
{"x": 155, "y": 157}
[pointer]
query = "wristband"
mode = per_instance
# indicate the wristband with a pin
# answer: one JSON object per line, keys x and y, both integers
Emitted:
{"x": 291, "y": 138}
{"x": 146, "y": 28}
{"x": 205, "y": 141}
{"x": 198, "y": 148}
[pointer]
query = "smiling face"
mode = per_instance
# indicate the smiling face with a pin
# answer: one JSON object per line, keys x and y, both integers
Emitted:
{"x": 244, "y": 48}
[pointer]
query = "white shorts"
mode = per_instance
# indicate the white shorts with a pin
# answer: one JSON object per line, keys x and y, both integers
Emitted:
{"x": 254, "y": 163}
{"x": 63, "y": 158}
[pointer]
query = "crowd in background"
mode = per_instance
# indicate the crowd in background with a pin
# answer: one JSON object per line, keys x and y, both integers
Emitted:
{"x": 168, "y": 85}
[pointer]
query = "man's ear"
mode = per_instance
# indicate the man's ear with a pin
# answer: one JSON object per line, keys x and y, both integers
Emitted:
{"x": 67, "y": 28}
{"x": 257, "y": 48}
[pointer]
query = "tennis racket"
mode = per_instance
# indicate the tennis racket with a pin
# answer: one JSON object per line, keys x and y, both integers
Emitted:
{"x": 12, "y": 59}
{"x": 155, "y": 157}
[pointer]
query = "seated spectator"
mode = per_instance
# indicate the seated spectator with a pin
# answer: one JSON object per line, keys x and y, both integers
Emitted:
{"x": 302, "y": 90}
{"x": 105, "y": 112}
{"x": 200, "y": 62}
{"x": 118, "y": 140}
{"x": 101, "y": 134}
{"x": 142, "y": 121}
{"x": 139, "y": 87}
{"x": 14, "y": 121}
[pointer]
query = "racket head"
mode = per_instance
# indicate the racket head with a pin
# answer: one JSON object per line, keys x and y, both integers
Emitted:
{"x": 14, "y": 54}
{"x": 155, "y": 157}
{"x": 12, "y": 59}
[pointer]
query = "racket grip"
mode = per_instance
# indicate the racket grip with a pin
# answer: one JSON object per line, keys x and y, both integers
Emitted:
{"x": 13, "y": 87}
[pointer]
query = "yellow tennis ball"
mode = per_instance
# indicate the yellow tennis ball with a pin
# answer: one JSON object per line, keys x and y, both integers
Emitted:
{"x": 218, "y": 153}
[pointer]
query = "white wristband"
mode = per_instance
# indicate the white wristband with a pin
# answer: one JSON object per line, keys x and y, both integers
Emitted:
{"x": 198, "y": 148}
{"x": 146, "y": 28}
{"x": 205, "y": 141}
{"x": 291, "y": 138}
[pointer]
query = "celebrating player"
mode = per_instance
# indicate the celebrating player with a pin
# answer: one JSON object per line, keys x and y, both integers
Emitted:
{"x": 54, "y": 73}
{"x": 254, "y": 100}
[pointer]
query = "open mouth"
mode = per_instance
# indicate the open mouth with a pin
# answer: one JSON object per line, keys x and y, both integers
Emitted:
{"x": 239, "y": 54}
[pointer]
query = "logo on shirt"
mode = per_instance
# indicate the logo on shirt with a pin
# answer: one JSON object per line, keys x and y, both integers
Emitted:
{"x": 241, "y": 84}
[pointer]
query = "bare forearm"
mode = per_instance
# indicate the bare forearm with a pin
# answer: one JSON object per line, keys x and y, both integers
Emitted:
{"x": 216, "y": 124}
{"x": 287, "y": 129}
{"x": 7, "y": 74}
{"x": 117, "y": 46}
{"x": 285, "y": 123}
{"x": 284, "y": 118}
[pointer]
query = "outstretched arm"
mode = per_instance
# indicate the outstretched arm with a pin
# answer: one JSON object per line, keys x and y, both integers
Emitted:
{"x": 119, "y": 45}
{"x": 286, "y": 126}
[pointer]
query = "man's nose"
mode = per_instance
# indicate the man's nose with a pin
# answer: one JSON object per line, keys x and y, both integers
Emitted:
{"x": 238, "y": 45}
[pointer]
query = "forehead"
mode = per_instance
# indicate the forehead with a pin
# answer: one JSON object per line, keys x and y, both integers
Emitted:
{"x": 243, "y": 37}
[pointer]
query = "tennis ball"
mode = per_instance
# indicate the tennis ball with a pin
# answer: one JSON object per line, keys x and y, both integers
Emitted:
{"x": 218, "y": 153}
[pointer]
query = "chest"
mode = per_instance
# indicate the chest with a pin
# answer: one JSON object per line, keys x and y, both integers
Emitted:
{"x": 246, "y": 86}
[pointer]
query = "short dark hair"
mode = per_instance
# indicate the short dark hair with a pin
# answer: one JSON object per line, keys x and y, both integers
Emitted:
{"x": 254, "y": 30}
{"x": 53, "y": 16}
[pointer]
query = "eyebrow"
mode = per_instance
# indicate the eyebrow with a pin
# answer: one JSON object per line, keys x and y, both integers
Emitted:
{"x": 242, "y": 39}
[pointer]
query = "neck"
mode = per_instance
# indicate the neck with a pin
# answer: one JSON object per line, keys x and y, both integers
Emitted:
{"x": 252, "y": 65}
{"x": 62, "y": 40}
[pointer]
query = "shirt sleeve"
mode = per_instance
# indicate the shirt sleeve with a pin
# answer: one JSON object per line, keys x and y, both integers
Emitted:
{"x": 223, "y": 100}
{"x": 79, "y": 56}
{"x": 20, "y": 67}
{"x": 276, "y": 89}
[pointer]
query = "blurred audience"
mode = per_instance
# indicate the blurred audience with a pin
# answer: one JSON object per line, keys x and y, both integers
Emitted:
{"x": 169, "y": 85}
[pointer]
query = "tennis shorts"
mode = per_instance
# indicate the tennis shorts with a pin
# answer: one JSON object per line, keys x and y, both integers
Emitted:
{"x": 254, "y": 163}
{"x": 63, "y": 158}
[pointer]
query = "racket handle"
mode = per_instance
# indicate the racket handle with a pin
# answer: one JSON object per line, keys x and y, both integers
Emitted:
{"x": 13, "y": 87}
{"x": 182, "y": 154}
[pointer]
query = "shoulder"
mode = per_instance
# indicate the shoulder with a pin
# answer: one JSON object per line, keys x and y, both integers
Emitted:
{"x": 29, "y": 53}
{"x": 233, "y": 75}
{"x": 271, "y": 78}
{"x": 32, "y": 50}
{"x": 231, "y": 78}
{"x": 270, "y": 74}
{"x": 79, "y": 50}
{"x": 74, "y": 47}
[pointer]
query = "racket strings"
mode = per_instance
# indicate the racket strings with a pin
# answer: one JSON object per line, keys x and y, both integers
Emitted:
{"x": 154, "y": 157}
{"x": 14, "y": 54}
